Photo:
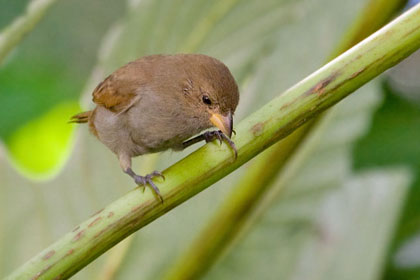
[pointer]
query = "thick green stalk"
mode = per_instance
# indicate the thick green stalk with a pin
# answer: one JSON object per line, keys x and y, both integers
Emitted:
{"x": 117, "y": 254}
{"x": 248, "y": 197}
{"x": 274, "y": 121}
{"x": 15, "y": 32}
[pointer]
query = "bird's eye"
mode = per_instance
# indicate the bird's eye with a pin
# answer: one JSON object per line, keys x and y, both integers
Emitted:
{"x": 206, "y": 100}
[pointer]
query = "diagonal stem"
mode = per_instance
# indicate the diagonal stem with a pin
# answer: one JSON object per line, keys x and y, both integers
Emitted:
{"x": 21, "y": 26}
{"x": 199, "y": 170}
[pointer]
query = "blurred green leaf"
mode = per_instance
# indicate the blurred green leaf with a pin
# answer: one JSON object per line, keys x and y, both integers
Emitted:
{"x": 43, "y": 73}
{"x": 393, "y": 139}
{"x": 233, "y": 31}
{"x": 31, "y": 91}
{"x": 40, "y": 147}
{"x": 11, "y": 11}
{"x": 51, "y": 65}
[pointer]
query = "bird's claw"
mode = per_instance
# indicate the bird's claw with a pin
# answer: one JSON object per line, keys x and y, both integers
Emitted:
{"x": 218, "y": 134}
{"x": 156, "y": 174}
{"x": 148, "y": 180}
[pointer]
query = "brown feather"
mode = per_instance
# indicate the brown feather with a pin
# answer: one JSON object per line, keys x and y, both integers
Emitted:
{"x": 114, "y": 94}
{"x": 81, "y": 117}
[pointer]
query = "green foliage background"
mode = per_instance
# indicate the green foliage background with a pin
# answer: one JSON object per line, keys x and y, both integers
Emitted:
{"x": 335, "y": 220}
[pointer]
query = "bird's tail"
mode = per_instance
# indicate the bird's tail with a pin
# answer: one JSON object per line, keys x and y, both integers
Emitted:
{"x": 81, "y": 117}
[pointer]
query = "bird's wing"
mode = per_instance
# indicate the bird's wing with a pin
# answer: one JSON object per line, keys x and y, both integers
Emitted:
{"x": 115, "y": 94}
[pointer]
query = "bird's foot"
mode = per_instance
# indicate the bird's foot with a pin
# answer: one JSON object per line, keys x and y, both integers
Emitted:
{"x": 219, "y": 135}
{"x": 148, "y": 180}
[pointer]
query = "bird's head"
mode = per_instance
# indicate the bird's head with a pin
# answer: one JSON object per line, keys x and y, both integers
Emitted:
{"x": 214, "y": 93}
{"x": 220, "y": 109}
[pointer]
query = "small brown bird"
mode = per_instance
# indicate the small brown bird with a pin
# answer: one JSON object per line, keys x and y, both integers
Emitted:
{"x": 157, "y": 102}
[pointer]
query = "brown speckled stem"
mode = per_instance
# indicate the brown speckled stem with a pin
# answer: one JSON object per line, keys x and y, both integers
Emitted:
{"x": 212, "y": 162}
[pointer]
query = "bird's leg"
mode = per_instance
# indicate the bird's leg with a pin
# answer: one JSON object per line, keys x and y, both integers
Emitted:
{"x": 141, "y": 180}
{"x": 146, "y": 180}
{"x": 209, "y": 136}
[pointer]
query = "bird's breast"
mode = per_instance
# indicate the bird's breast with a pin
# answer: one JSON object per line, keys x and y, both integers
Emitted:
{"x": 158, "y": 129}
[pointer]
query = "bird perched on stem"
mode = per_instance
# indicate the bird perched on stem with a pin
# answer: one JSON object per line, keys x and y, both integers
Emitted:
{"x": 158, "y": 102}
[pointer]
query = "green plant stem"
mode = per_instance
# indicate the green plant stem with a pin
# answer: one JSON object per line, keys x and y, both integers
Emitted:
{"x": 117, "y": 254}
{"x": 274, "y": 121}
{"x": 249, "y": 196}
{"x": 21, "y": 26}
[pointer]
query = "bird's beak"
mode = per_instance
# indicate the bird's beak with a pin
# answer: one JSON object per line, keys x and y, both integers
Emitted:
{"x": 224, "y": 123}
